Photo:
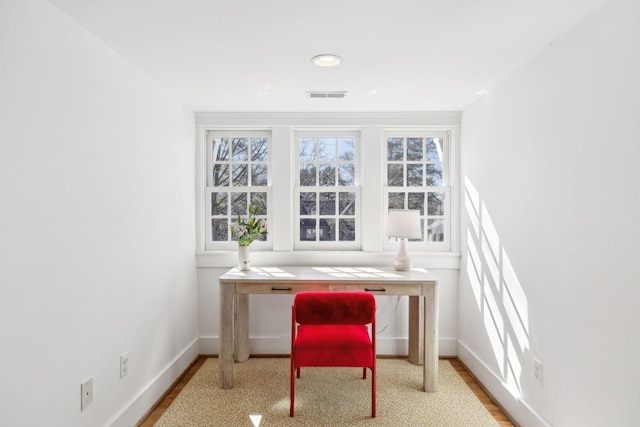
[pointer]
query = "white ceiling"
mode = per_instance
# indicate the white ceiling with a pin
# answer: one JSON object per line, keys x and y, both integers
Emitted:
{"x": 399, "y": 55}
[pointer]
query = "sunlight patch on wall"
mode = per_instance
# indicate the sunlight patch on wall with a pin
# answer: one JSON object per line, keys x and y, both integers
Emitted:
{"x": 515, "y": 303}
{"x": 474, "y": 265}
{"x": 514, "y": 367}
{"x": 472, "y": 205}
{"x": 490, "y": 233}
{"x": 501, "y": 300}
{"x": 493, "y": 332}
{"x": 490, "y": 263}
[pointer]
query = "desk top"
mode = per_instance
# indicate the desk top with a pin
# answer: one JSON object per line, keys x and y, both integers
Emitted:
{"x": 297, "y": 274}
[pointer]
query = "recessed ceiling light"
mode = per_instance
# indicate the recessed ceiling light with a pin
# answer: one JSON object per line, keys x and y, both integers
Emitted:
{"x": 326, "y": 60}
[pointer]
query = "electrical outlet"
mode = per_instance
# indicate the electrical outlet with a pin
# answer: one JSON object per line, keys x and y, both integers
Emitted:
{"x": 86, "y": 392}
{"x": 537, "y": 371}
{"x": 124, "y": 364}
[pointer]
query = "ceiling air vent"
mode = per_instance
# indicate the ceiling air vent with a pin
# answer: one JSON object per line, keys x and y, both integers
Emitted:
{"x": 327, "y": 94}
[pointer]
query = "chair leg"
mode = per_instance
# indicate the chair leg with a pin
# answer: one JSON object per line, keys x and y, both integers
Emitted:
{"x": 364, "y": 373}
{"x": 373, "y": 393}
{"x": 292, "y": 387}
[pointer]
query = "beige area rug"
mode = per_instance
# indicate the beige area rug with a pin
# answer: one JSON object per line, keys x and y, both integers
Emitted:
{"x": 324, "y": 397}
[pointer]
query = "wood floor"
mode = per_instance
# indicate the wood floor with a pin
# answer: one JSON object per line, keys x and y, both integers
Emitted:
{"x": 156, "y": 412}
{"x": 481, "y": 394}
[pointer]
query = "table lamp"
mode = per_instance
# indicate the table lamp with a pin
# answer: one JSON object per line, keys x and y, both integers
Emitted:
{"x": 403, "y": 224}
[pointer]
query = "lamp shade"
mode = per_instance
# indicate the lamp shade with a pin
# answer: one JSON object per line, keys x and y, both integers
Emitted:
{"x": 404, "y": 223}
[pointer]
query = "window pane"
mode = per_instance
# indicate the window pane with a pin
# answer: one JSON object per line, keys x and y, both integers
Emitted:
{"x": 220, "y": 149}
{"x": 327, "y": 163}
{"x": 220, "y": 175}
{"x": 327, "y": 149}
{"x": 416, "y": 202}
{"x": 414, "y": 175}
{"x": 435, "y": 232}
{"x": 240, "y": 149}
{"x": 308, "y": 230}
{"x": 259, "y": 200}
{"x": 435, "y": 203}
{"x": 347, "y": 203}
{"x": 327, "y": 175}
{"x": 259, "y": 175}
{"x": 240, "y": 175}
{"x": 395, "y": 175}
{"x": 219, "y": 204}
{"x": 307, "y": 203}
{"x": 414, "y": 149}
{"x": 346, "y": 149}
{"x": 219, "y": 230}
{"x": 239, "y": 204}
{"x": 327, "y": 203}
{"x": 396, "y": 201}
{"x": 326, "y": 229}
{"x": 259, "y": 149}
{"x": 434, "y": 175}
{"x": 346, "y": 175}
{"x": 307, "y": 149}
{"x": 395, "y": 149}
{"x": 434, "y": 150}
{"x": 347, "y": 230}
{"x": 307, "y": 174}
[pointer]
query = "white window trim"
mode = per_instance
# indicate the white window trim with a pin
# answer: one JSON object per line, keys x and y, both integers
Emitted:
{"x": 446, "y": 135}
{"x": 335, "y": 245}
{"x": 282, "y": 126}
{"x": 209, "y": 245}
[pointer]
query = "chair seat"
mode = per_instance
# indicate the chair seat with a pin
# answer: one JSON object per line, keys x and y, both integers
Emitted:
{"x": 333, "y": 345}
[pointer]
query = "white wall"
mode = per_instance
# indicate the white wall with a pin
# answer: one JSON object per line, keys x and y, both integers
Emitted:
{"x": 550, "y": 252}
{"x": 96, "y": 226}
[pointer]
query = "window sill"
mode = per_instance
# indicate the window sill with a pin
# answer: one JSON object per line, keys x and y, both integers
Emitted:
{"x": 229, "y": 259}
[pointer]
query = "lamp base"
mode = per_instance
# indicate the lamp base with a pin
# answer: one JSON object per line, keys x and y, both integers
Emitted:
{"x": 403, "y": 262}
{"x": 402, "y": 265}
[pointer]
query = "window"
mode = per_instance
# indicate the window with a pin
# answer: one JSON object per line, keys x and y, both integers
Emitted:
{"x": 417, "y": 177}
{"x": 325, "y": 182}
{"x": 237, "y": 176}
{"x": 327, "y": 192}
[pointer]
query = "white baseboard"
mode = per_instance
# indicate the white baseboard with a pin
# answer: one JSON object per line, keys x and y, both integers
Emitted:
{"x": 147, "y": 397}
{"x": 517, "y": 408}
{"x": 282, "y": 345}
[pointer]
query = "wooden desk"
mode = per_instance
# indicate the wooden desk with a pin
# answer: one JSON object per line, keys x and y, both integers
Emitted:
{"x": 418, "y": 284}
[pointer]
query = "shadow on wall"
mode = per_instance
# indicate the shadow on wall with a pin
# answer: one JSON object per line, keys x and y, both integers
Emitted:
{"x": 499, "y": 297}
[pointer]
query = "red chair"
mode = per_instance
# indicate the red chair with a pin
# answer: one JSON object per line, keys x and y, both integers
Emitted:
{"x": 329, "y": 329}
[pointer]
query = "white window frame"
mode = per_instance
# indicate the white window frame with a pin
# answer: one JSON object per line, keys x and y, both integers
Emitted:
{"x": 376, "y": 249}
{"x": 391, "y": 244}
{"x": 209, "y": 189}
{"x": 354, "y": 245}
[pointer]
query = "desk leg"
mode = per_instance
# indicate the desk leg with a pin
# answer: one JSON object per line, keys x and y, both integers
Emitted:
{"x": 431, "y": 338}
{"x": 225, "y": 362}
{"x": 416, "y": 334}
{"x": 241, "y": 328}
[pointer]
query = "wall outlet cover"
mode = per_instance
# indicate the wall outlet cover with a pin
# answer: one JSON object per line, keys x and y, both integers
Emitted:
{"x": 86, "y": 391}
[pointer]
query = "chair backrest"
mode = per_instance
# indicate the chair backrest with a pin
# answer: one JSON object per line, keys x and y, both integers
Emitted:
{"x": 334, "y": 308}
